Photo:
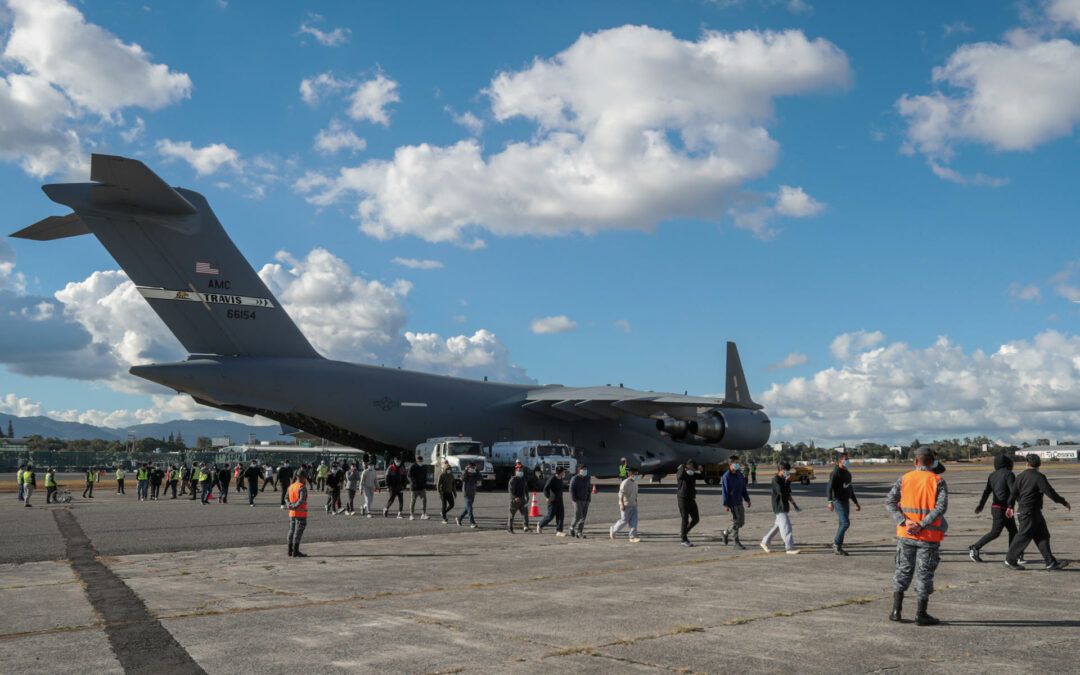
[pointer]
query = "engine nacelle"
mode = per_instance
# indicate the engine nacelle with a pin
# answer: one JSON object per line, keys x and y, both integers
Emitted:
{"x": 673, "y": 427}
{"x": 733, "y": 428}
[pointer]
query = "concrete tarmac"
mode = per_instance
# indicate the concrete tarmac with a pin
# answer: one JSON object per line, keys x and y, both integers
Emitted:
{"x": 115, "y": 585}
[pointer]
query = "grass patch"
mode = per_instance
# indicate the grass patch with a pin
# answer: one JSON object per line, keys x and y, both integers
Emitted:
{"x": 687, "y": 629}
{"x": 584, "y": 649}
{"x": 737, "y": 621}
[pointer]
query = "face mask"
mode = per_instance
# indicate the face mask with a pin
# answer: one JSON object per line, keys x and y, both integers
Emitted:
{"x": 787, "y": 474}
{"x": 847, "y": 463}
{"x": 936, "y": 464}
{"x": 419, "y": 463}
{"x": 735, "y": 466}
{"x": 584, "y": 472}
{"x": 519, "y": 474}
{"x": 689, "y": 473}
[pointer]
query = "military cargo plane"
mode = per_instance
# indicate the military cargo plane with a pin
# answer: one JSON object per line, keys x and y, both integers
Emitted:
{"x": 247, "y": 356}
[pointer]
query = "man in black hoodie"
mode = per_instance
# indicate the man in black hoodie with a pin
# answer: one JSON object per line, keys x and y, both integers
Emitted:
{"x": 1000, "y": 485}
{"x": 687, "y": 497}
{"x": 1027, "y": 495}
{"x": 553, "y": 490}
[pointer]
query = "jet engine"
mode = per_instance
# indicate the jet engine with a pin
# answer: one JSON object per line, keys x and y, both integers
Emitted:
{"x": 673, "y": 427}
{"x": 733, "y": 428}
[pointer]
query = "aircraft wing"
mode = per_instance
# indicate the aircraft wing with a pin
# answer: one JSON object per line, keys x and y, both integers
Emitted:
{"x": 592, "y": 403}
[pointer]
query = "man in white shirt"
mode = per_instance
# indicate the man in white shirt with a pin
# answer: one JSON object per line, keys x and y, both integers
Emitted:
{"x": 628, "y": 492}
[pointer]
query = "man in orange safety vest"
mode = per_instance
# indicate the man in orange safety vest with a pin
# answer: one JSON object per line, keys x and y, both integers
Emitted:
{"x": 297, "y": 501}
{"x": 917, "y": 503}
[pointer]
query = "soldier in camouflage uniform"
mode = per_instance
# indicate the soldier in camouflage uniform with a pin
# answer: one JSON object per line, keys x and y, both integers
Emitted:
{"x": 917, "y": 503}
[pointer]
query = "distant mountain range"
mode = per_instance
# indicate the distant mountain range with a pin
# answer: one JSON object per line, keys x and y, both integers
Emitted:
{"x": 189, "y": 429}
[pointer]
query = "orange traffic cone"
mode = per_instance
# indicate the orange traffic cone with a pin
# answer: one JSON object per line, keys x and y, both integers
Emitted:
{"x": 594, "y": 488}
{"x": 534, "y": 508}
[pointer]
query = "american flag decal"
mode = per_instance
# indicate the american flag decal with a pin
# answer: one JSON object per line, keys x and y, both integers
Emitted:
{"x": 205, "y": 268}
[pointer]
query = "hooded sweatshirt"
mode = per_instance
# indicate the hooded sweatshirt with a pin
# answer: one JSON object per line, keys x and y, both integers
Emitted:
{"x": 999, "y": 483}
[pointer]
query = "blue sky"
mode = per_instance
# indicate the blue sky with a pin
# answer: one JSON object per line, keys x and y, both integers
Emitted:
{"x": 877, "y": 196}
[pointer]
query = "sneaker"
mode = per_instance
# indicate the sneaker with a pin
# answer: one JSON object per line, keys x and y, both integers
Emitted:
{"x": 839, "y": 550}
{"x": 973, "y": 553}
{"x": 445, "y": 521}
{"x": 1056, "y": 565}
{"x": 581, "y": 535}
{"x": 612, "y": 533}
{"x": 792, "y": 551}
{"x": 739, "y": 545}
{"x": 400, "y": 516}
{"x": 386, "y": 512}
{"x": 765, "y": 548}
{"x": 560, "y": 534}
{"x": 411, "y": 517}
{"x": 687, "y": 544}
{"x": 423, "y": 516}
{"x": 474, "y": 526}
{"x": 282, "y": 507}
{"x": 458, "y": 519}
{"x": 724, "y": 534}
{"x": 1011, "y": 565}
{"x": 509, "y": 530}
{"x": 635, "y": 540}
{"x": 539, "y": 530}
{"x": 369, "y": 515}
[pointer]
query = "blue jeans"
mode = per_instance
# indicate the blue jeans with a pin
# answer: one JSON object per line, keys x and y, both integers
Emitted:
{"x": 467, "y": 511}
{"x": 141, "y": 489}
{"x": 843, "y": 513}
{"x": 207, "y": 487}
{"x": 556, "y": 513}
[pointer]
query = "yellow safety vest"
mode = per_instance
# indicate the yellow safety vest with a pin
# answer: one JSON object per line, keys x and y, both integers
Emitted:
{"x": 50, "y": 479}
{"x": 143, "y": 474}
{"x": 90, "y": 477}
{"x": 19, "y": 476}
{"x": 120, "y": 473}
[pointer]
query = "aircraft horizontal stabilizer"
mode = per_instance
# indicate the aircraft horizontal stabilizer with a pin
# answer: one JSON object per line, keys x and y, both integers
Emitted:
{"x": 129, "y": 182}
{"x": 54, "y": 227}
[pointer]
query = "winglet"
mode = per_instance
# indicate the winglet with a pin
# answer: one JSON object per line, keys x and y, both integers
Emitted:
{"x": 737, "y": 393}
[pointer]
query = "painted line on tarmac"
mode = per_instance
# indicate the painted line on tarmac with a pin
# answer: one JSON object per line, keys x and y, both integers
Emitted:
{"x": 138, "y": 640}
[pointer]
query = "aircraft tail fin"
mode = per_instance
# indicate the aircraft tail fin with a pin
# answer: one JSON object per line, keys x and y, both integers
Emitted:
{"x": 737, "y": 393}
{"x": 171, "y": 245}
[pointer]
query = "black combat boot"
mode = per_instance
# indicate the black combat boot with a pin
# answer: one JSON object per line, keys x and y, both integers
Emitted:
{"x": 921, "y": 617}
{"x": 290, "y": 550}
{"x": 296, "y": 552}
{"x": 897, "y": 606}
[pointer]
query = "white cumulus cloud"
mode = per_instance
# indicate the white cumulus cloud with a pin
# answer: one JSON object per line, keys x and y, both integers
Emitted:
{"x": 845, "y": 345}
{"x": 370, "y": 98}
{"x": 549, "y": 325}
{"x": 633, "y": 127}
{"x": 338, "y": 137}
{"x": 1023, "y": 390}
{"x": 61, "y": 69}
{"x": 332, "y": 38}
{"x": 790, "y": 361}
{"x": 205, "y": 160}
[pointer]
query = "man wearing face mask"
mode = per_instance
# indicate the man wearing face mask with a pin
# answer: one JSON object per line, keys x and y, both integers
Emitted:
{"x": 841, "y": 496}
{"x": 735, "y": 493}
{"x": 395, "y": 485}
{"x": 782, "y": 503}
{"x": 628, "y": 516}
{"x": 518, "y": 489}
{"x": 469, "y": 480}
{"x": 581, "y": 493}
{"x": 687, "y": 496}
{"x": 418, "y": 486}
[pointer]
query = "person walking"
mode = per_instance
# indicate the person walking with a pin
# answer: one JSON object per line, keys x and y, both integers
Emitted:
{"x": 120, "y": 476}
{"x": 268, "y": 478}
{"x": 553, "y": 492}
{"x": 395, "y": 485}
{"x": 224, "y": 478}
{"x": 733, "y": 487}
{"x": 446, "y": 489}
{"x": 518, "y": 489}
{"x": 782, "y": 503}
{"x": 352, "y": 485}
{"x": 628, "y": 507}
{"x": 91, "y": 478}
{"x": 320, "y": 477}
{"x": 157, "y": 476}
{"x": 238, "y": 476}
{"x": 172, "y": 477}
{"x": 841, "y": 496}
{"x": 469, "y": 482}
{"x": 284, "y": 478}
{"x": 334, "y": 480}
{"x": 418, "y": 488}
{"x": 206, "y": 482}
{"x": 250, "y": 475}
{"x": 29, "y": 484}
{"x": 687, "y": 498}
{"x": 194, "y": 480}
{"x": 1026, "y": 501}
{"x": 142, "y": 482}
{"x": 19, "y": 479}
{"x": 999, "y": 484}
{"x": 185, "y": 479}
{"x": 50, "y": 485}
{"x": 917, "y": 503}
{"x": 297, "y": 501}
{"x": 581, "y": 495}
{"x": 369, "y": 485}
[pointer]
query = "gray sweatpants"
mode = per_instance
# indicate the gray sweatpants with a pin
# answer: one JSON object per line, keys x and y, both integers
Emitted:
{"x": 738, "y": 519}
{"x": 369, "y": 500}
{"x": 422, "y": 496}
{"x": 627, "y": 518}
{"x": 581, "y": 512}
{"x": 783, "y": 526}
{"x": 27, "y": 491}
